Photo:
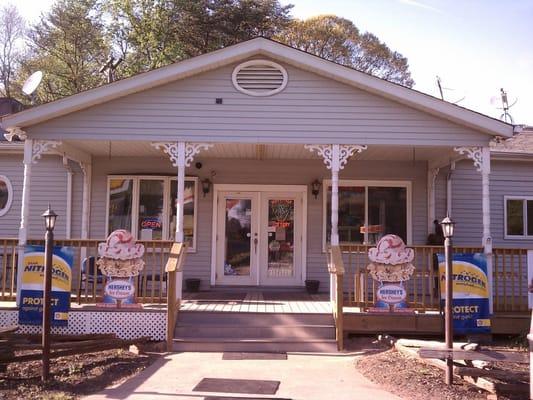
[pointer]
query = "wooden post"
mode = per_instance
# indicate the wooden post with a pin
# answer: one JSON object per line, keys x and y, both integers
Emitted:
{"x": 179, "y": 213}
{"x": 335, "y": 166}
{"x": 487, "y": 238}
{"x": 448, "y": 314}
{"x": 432, "y": 177}
{"x": 47, "y": 311}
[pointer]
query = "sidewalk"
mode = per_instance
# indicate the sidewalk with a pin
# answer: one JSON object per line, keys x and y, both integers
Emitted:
{"x": 301, "y": 376}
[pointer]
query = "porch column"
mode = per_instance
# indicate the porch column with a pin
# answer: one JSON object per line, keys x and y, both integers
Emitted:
{"x": 335, "y": 157}
{"x": 481, "y": 158}
{"x": 87, "y": 170}
{"x": 181, "y": 155}
{"x": 432, "y": 177}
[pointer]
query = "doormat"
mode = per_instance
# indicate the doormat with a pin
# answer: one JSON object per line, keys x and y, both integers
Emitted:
{"x": 247, "y": 386}
{"x": 254, "y": 356}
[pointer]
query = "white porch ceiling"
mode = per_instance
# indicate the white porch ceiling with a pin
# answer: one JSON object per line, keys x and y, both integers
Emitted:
{"x": 258, "y": 151}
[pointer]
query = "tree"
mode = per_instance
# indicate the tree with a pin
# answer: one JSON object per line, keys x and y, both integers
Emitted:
{"x": 12, "y": 29}
{"x": 338, "y": 39}
{"x": 152, "y": 33}
{"x": 68, "y": 45}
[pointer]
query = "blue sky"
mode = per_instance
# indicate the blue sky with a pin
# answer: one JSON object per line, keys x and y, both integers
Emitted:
{"x": 475, "y": 46}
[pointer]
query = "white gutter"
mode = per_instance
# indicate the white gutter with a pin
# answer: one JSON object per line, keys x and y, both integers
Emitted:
{"x": 70, "y": 173}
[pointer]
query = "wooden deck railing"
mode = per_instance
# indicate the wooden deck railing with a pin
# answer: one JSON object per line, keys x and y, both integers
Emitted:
{"x": 509, "y": 278}
{"x": 174, "y": 265}
{"x": 88, "y": 283}
{"x": 336, "y": 273}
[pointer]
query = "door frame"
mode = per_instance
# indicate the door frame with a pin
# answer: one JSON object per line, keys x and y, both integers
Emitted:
{"x": 257, "y": 188}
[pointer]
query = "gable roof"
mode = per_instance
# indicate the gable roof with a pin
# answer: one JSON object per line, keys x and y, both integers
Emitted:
{"x": 269, "y": 48}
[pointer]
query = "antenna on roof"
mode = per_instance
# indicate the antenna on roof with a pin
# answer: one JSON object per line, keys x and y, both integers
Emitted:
{"x": 110, "y": 66}
{"x": 506, "y": 117}
{"x": 442, "y": 89}
{"x": 31, "y": 85}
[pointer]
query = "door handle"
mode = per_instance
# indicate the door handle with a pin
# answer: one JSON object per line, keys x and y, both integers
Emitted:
{"x": 255, "y": 245}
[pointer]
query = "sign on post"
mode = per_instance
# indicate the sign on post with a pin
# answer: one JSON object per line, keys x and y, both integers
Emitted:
{"x": 32, "y": 281}
{"x": 470, "y": 292}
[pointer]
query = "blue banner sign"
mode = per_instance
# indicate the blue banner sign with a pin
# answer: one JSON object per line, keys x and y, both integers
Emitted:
{"x": 470, "y": 292}
{"x": 32, "y": 284}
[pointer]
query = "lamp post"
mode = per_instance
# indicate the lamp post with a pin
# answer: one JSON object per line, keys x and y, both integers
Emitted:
{"x": 447, "y": 229}
{"x": 49, "y": 222}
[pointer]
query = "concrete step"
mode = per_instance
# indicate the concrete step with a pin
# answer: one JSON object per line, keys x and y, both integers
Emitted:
{"x": 252, "y": 318}
{"x": 222, "y": 331}
{"x": 255, "y": 345}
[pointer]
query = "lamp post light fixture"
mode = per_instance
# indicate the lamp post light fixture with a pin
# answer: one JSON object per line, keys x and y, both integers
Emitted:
{"x": 49, "y": 222}
{"x": 447, "y": 229}
{"x": 315, "y": 188}
{"x": 206, "y": 186}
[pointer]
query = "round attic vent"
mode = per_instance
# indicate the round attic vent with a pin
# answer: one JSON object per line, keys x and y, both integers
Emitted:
{"x": 259, "y": 78}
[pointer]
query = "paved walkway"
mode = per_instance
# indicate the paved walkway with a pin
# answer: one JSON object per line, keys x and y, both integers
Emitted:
{"x": 301, "y": 376}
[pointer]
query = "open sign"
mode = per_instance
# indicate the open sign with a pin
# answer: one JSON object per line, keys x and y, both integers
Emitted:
{"x": 151, "y": 223}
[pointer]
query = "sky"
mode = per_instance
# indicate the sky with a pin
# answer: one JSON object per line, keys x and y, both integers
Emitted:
{"x": 476, "y": 47}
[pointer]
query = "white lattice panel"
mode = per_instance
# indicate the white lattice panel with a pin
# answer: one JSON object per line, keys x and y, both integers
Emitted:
{"x": 126, "y": 325}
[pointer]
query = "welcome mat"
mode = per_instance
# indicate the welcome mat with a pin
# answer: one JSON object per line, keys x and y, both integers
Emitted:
{"x": 254, "y": 356}
{"x": 246, "y": 386}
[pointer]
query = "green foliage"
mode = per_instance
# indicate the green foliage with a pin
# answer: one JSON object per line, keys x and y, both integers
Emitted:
{"x": 338, "y": 39}
{"x": 68, "y": 45}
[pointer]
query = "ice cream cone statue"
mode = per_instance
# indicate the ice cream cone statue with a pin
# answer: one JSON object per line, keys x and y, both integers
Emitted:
{"x": 391, "y": 265}
{"x": 120, "y": 261}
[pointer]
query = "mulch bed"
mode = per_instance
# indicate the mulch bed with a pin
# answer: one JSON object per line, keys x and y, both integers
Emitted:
{"x": 413, "y": 380}
{"x": 73, "y": 376}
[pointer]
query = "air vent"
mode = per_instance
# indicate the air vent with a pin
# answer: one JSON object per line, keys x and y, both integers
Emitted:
{"x": 259, "y": 78}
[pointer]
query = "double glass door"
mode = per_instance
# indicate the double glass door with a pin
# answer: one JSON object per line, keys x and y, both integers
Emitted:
{"x": 259, "y": 238}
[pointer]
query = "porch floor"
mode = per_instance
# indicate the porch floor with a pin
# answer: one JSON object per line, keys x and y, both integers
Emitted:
{"x": 257, "y": 302}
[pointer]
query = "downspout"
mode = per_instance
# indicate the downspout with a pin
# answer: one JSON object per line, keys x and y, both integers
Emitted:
{"x": 449, "y": 189}
{"x": 70, "y": 174}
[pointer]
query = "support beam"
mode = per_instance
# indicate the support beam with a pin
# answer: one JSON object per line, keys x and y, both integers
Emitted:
{"x": 181, "y": 155}
{"x": 70, "y": 173}
{"x": 481, "y": 159}
{"x": 87, "y": 170}
{"x": 432, "y": 177}
{"x": 449, "y": 190}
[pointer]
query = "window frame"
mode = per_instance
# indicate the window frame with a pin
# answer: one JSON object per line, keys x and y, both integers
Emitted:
{"x": 524, "y": 200}
{"x": 136, "y": 179}
{"x": 7, "y": 207}
{"x": 326, "y": 184}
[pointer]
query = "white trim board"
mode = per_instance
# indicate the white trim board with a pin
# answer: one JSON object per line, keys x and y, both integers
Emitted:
{"x": 245, "y": 50}
{"x": 257, "y": 188}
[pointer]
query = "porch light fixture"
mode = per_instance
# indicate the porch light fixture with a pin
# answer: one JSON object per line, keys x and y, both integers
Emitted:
{"x": 315, "y": 188}
{"x": 206, "y": 186}
{"x": 49, "y": 222}
{"x": 447, "y": 229}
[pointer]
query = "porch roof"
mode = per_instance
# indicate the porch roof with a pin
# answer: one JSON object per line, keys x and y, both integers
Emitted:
{"x": 244, "y": 50}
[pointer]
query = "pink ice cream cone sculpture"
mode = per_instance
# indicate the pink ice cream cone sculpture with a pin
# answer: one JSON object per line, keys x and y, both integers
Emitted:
{"x": 120, "y": 256}
{"x": 391, "y": 260}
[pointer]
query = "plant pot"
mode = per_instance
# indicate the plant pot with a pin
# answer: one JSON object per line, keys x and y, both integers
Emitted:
{"x": 192, "y": 285}
{"x": 312, "y": 286}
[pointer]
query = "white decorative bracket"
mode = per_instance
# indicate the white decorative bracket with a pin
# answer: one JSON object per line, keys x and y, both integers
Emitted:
{"x": 42, "y": 146}
{"x": 172, "y": 150}
{"x": 15, "y": 132}
{"x": 335, "y": 155}
{"x": 473, "y": 153}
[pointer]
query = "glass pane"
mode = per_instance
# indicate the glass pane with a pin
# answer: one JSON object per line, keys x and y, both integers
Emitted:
{"x": 280, "y": 238}
{"x": 387, "y": 212}
{"x": 237, "y": 236}
{"x": 351, "y": 214}
{"x": 151, "y": 209}
{"x": 530, "y": 217}
{"x": 515, "y": 217}
{"x": 188, "y": 210}
{"x": 120, "y": 199}
{"x": 4, "y": 195}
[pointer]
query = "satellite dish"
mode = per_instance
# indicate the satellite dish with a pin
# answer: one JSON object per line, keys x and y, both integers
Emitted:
{"x": 32, "y": 83}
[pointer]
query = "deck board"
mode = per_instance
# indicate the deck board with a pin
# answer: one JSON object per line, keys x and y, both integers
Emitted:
{"x": 255, "y": 301}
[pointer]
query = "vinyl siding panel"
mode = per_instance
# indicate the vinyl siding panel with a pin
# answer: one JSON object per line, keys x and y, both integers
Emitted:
{"x": 311, "y": 109}
{"x": 273, "y": 172}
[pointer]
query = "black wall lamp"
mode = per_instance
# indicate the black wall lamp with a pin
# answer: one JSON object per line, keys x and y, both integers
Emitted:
{"x": 206, "y": 186}
{"x": 315, "y": 188}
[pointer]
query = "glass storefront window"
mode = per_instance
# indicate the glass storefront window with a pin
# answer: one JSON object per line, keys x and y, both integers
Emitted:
{"x": 120, "y": 204}
{"x": 151, "y": 209}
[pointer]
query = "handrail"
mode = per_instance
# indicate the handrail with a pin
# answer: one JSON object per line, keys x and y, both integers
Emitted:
{"x": 336, "y": 270}
{"x": 175, "y": 263}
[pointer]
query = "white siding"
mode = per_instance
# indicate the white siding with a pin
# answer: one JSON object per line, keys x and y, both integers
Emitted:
{"x": 311, "y": 109}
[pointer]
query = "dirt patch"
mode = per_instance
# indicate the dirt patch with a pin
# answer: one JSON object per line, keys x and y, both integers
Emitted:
{"x": 409, "y": 378}
{"x": 73, "y": 376}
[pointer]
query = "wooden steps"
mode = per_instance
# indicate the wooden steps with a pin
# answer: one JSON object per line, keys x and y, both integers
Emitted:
{"x": 254, "y": 332}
